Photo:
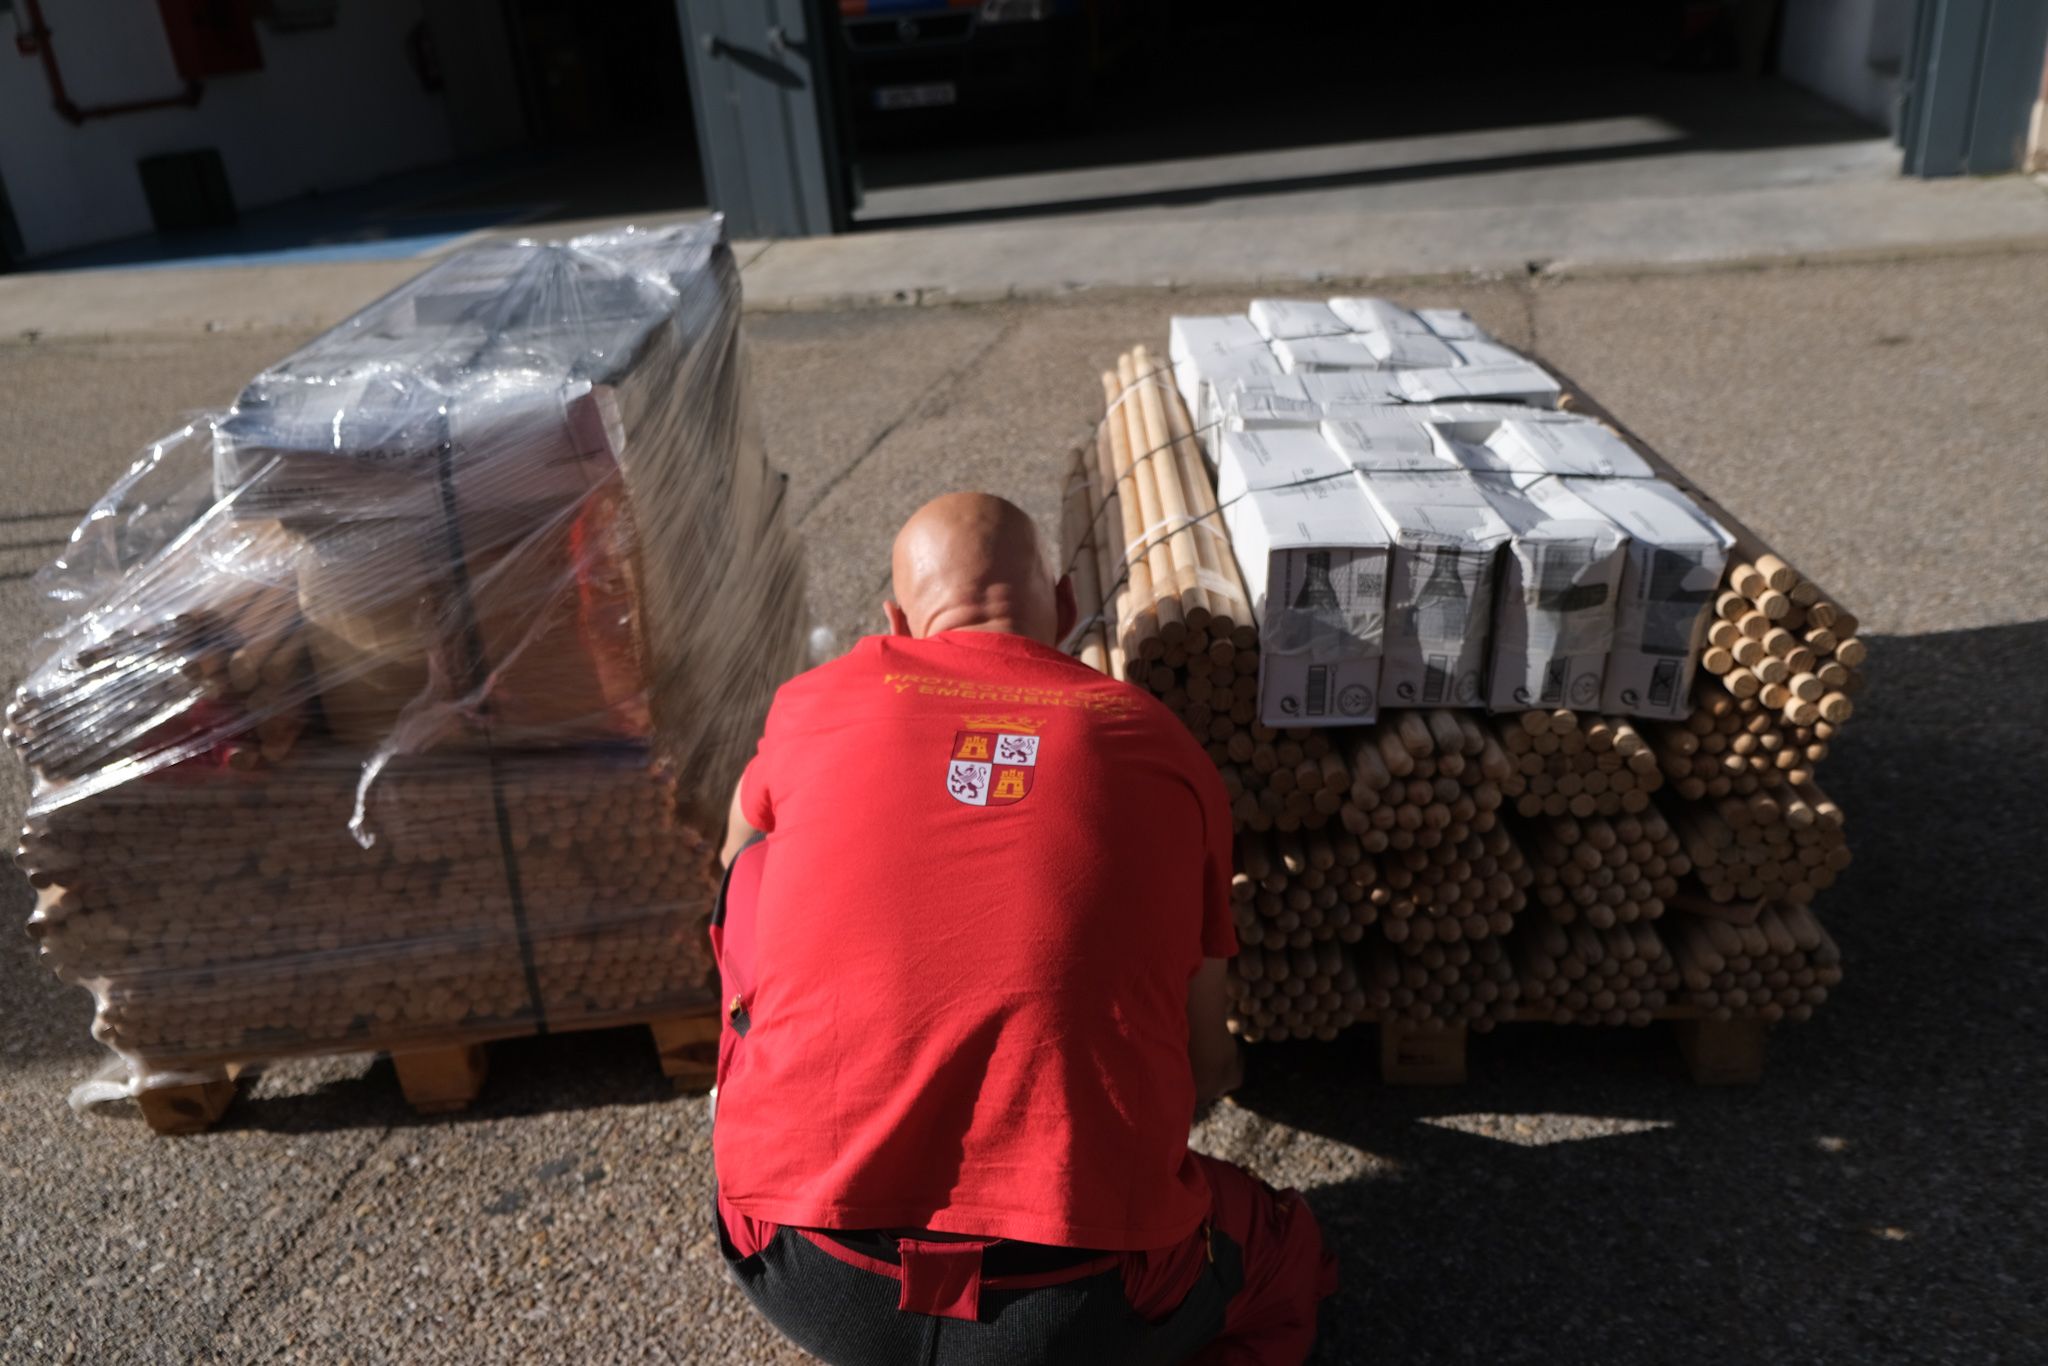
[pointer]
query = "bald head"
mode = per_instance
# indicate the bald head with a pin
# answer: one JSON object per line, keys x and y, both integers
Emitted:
{"x": 973, "y": 561}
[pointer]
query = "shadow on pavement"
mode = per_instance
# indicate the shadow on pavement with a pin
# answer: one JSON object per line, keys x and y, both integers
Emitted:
{"x": 1865, "y": 1201}
{"x": 587, "y": 1070}
{"x": 1580, "y": 1200}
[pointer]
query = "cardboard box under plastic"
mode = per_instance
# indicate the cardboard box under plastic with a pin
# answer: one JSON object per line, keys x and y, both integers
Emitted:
{"x": 1307, "y": 399}
{"x": 1553, "y": 617}
{"x": 1388, "y": 439}
{"x": 1447, "y": 538}
{"x": 1672, "y": 566}
{"x": 1515, "y": 382}
{"x": 1273, "y": 458}
{"x": 1278, "y": 318}
{"x": 1373, "y": 314}
{"x": 1452, "y": 324}
{"x": 1314, "y": 558}
{"x": 1209, "y": 352}
{"x": 1309, "y": 355}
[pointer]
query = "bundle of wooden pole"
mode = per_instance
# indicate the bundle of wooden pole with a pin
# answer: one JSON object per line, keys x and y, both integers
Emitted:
{"x": 1779, "y": 967}
{"x": 1162, "y": 603}
{"x": 1774, "y": 846}
{"x": 1568, "y": 764}
{"x": 1286, "y": 780}
{"x": 1425, "y": 802}
{"x": 1606, "y": 872}
{"x": 243, "y": 922}
{"x": 1737, "y": 747}
{"x": 1293, "y": 891}
{"x": 1576, "y": 973}
{"x": 1172, "y": 585}
{"x": 1295, "y": 993}
{"x": 1776, "y": 640}
{"x": 1433, "y": 986}
{"x": 232, "y": 678}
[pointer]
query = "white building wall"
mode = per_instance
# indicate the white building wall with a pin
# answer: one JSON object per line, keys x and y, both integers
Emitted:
{"x": 1847, "y": 52}
{"x": 331, "y": 107}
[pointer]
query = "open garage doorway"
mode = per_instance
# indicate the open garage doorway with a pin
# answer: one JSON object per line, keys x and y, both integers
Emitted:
{"x": 962, "y": 112}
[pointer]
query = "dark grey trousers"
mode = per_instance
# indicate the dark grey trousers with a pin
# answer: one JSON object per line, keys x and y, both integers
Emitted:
{"x": 848, "y": 1316}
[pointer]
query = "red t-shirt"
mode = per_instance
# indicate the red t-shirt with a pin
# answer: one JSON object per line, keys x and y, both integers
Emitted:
{"x": 990, "y": 873}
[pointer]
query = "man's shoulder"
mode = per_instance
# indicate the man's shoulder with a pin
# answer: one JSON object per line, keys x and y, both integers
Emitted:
{"x": 861, "y": 660}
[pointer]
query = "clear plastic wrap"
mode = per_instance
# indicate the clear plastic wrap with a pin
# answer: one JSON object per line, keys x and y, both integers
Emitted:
{"x": 401, "y": 702}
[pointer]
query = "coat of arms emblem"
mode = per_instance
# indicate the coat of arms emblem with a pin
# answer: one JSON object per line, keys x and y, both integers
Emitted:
{"x": 993, "y": 761}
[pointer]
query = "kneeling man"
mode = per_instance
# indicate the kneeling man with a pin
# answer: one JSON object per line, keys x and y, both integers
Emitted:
{"x": 974, "y": 988}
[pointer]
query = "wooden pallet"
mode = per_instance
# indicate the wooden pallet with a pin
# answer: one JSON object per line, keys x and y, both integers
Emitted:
{"x": 441, "y": 1078}
{"x": 1716, "y": 1052}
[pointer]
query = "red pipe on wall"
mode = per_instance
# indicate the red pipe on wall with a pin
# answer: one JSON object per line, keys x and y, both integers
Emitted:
{"x": 74, "y": 113}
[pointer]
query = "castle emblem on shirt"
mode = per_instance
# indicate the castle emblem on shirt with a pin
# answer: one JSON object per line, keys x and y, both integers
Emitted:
{"x": 993, "y": 761}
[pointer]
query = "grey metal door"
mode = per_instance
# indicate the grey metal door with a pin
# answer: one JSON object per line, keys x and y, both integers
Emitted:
{"x": 1972, "y": 75}
{"x": 767, "y": 115}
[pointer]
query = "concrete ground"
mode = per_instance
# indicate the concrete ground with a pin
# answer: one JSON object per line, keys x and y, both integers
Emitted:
{"x": 1877, "y": 1198}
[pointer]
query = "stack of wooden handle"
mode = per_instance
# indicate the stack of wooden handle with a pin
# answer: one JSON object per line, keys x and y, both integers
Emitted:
{"x": 1735, "y": 747}
{"x": 1284, "y": 780}
{"x": 1303, "y": 993}
{"x": 1292, "y": 891}
{"x": 1582, "y": 974}
{"x": 1472, "y": 983}
{"x": 1782, "y": 846}
{"x": 1380, "y": 870}
{"x": 1786, "y": 661}
{"x": 242, "y": 922}
{"x": 1425, "y": 800}
{"x": 1606, "y": 873}
{"x": 1567, "y": 764}
{"x": 1775, "y": 639}
{"x": 1779, "y": 967}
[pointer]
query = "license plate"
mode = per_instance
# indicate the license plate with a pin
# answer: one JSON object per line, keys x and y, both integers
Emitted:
{"x": 914, "y": 96}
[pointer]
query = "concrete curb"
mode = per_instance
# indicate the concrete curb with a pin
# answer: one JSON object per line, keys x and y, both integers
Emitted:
{"x": 87, "y": 306}
{"x": 1539, "y": 271}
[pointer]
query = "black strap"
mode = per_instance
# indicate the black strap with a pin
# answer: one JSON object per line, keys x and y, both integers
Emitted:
{"x": 1003, "y": 1258}
{"x": 473, "y": 644}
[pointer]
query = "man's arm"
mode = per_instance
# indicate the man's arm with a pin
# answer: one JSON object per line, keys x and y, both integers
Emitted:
{"x": 1212, "y": 1048}
{"x": 737, "y": 830}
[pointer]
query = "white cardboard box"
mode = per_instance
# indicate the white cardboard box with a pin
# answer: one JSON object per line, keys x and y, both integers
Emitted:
{"x": 1553, "y": 618}
{"x": 1264, "y": 401}
{"x": 1306, "y": 399}
{"x": 1299, "y": 355}
{"x": 1447, "y": 539}
{"x": 1583, "y": 448}
{"x": 1274, "y": 458}
{"x": 1210, "y": 351}
{"x": 1519, "y": 382}
{"x": 1452, "y": 324}
{"x": 1484, "y": 351}
{"x": 1350, "y": 393}
{"x": 1388, "y": 439}
{"x": 1377, "y": 315}
{"x": 1279, "y": 319}
{"x": 1410, "y": 350}
{"x": 1314, "y": 558}
{"x": 1509, "y": 440}
{"x": 1487, "y": 415}
{"x": 1675, "y": 556}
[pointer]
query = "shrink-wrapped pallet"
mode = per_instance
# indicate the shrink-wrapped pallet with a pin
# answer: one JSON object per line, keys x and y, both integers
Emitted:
{"x": 401, "y": 702}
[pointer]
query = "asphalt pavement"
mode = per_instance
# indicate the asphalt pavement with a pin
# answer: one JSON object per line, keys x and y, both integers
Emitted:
{"x": 1878, "y": 1198}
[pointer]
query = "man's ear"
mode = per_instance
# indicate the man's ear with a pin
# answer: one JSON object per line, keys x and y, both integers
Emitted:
{"x": 1066, "y": 611}
{"x": 899, "y": 624}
